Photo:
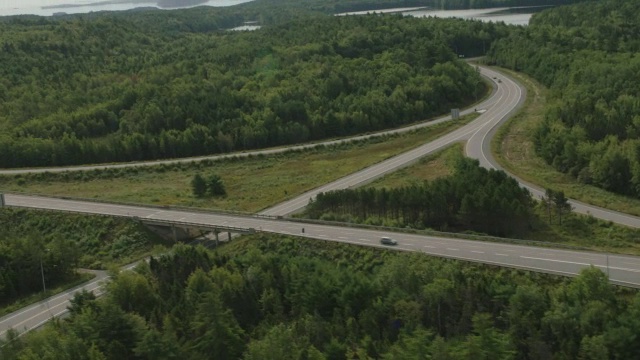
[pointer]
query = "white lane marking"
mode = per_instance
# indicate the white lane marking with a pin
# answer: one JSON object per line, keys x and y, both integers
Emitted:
{"x": 56, "y": 297}
{"x": 477, "y": 252}
{"x": 48, "y": 310}
{"x": 430, "y": 247}
{"x": 452, "y": 249}
{"x": 357, "y": 243}
{"x": 502, "y": 254}
{"x": 587, "y": 258}
{"x": 343, "y": 238}
{"x": 584, "y": 264}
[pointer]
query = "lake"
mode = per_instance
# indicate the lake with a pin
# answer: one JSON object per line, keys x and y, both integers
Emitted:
{"x": 50, "y": 7}
{"x": 512, "y": 16}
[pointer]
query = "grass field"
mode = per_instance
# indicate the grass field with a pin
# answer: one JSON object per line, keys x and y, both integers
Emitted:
{"x": 252, "y": 184}
{"x": 513, "y": 148}
{"x": 428, "y": 168}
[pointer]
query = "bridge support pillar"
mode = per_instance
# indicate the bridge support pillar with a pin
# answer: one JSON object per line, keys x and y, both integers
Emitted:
{"x": 217, "y": 238}
{"x": 174, "y": 232}
{"x": 229, "y": 236}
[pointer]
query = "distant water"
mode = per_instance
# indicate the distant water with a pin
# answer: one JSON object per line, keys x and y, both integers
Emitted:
{"x": 512, "y": 16}
{"x": 50, "y": 7}
{"x": 515, "y": 16}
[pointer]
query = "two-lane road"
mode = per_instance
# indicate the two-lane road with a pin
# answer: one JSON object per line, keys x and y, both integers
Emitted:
{"x": 35, "y": 315}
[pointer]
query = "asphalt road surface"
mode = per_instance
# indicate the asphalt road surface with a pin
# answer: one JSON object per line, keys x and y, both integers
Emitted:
{"x": 479, "y": 147}
{"x": 624, "y": 270}
{"x": 35, "y": 315}
{"x": 507, "y": 97}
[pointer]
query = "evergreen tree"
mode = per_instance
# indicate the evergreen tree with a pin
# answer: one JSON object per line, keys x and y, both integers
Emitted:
{"x": 198, "y": 186}
{"x": 215, "y": 186}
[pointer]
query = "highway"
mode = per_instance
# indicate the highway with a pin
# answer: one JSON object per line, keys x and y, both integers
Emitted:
{"x": 507, "y": 97}
{"x": 624, "y": 270}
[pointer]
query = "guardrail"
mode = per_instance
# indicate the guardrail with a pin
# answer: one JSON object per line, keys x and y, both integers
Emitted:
{"x": 427, "y": 232}
{"x": 430, "y": 232}
{"x": 187, "y": 224}
{"x": 166, "y": 207}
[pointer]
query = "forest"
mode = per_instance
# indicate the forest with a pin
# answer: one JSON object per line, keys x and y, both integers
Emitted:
{"x": 39, "y": 244}
{"x": 123, "y": 87}
{"x": 587, "y": 55}
{"x": 282, "y": 298}
{"x": 473, "y": 198}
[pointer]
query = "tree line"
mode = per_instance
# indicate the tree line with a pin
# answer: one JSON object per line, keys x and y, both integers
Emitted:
{"x": 37, "y": 246}
{"x": 586, "y": 54}
{"x": 473, "y": 198}
{"x": 91, "y": 89}
{"x": 279, "y": 298}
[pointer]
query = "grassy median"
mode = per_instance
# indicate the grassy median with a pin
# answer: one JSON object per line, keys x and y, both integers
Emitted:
{"x": 252, "y": 183}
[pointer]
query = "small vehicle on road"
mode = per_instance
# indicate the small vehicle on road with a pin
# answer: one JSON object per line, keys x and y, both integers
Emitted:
{"x": 387, "y": 241}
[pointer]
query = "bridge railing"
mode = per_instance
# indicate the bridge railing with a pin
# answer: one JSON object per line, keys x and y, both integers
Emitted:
{"x": 427, "y": 232}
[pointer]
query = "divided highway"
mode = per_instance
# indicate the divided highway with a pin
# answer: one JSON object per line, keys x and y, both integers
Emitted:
{"x": 507, "y": 97}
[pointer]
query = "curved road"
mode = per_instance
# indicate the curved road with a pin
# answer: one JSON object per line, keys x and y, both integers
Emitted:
{"x": 479, "y": 147}
{"x": 502, "y": 103}
{"x": 623, "y": 270}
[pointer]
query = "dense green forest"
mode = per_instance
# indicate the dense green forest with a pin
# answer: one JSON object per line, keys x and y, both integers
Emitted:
{"x": 61, "y": 243}
{"x": 473, "y": 198}
{"x": 125, "y": 87}
{"x": 280, "y": 298}
{"x": 587, "y": 55}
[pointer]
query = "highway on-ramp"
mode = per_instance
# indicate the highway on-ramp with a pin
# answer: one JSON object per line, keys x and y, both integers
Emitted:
{"x": 479, "y": 147}
{"x": 37, "y": 314}
{"x": 503, "y": 102}
{"x": 507, "y": 97}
